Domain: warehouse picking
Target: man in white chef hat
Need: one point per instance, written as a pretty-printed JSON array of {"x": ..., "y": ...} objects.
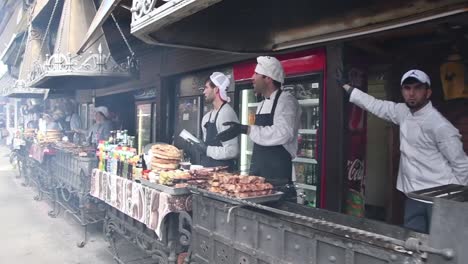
[
  {"x": 213, "y": 151},
  {"x": 276, "y": 125}
]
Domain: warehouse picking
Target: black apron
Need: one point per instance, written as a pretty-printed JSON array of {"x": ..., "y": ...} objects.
[
  {"x": 272, "y": 162},
  {"x": 211, "y": 132},
  {"x": 65, "y": 124}
]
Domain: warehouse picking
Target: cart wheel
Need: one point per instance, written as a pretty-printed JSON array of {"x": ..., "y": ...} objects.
[
  {"x": 81, "y": 244},
  {"x": 52, "y": 214}
]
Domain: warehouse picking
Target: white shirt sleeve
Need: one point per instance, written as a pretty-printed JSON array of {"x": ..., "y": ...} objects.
[
  {"x": 205, "y": 120},
  {"x": 230, "y": 148},
  {"x": 450, "y": 145},
  {"x": 284, "y": 123},
  {"x": 75, "y": 122},
  {"x": 387, "y": 110}
]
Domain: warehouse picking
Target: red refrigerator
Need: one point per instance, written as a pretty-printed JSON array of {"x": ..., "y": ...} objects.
[{"x": 304, "y": 79}]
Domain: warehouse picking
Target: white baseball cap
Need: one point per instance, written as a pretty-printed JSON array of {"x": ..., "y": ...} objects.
[
  {"x": 103, "y": 110},
  {"x": 222, "y": 82},
  {"x": 271, "y": 67},
  {"x": 417, "y": 74}
]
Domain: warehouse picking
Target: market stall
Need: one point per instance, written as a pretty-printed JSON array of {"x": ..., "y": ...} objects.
[
  {"x": 20, "y": 154},
  {"x": 41, "y": 170},
  {"x": 153, "y": 216},
  {"x": 72, "y": 166},
  {"x": 256, "y": 229}
]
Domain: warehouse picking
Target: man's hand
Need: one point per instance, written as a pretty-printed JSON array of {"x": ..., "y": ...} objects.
[
  {"x": 233, "y": 131},
  {"x": 342, "y": 80}
]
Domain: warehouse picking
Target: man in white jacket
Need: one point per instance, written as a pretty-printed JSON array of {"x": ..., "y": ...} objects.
[
  {"x": 213, "y": 151},
  {"x": 431, "y": 150},
  {"x": 275, "y": 131}
]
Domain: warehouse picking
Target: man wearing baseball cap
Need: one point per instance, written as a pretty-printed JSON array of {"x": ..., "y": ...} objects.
[
  {"x": 431, "y": 150},
  {"x": 213, "y": 151},
  {"x": 276, "y": 125}
]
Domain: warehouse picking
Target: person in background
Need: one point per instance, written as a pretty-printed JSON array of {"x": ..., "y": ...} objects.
[
  {"x": 49, "y": 123},
  {"x": 101, "y": 129},
  {"x": 213, "y": 151},
  {"x": 72, "y": 122},
  {"x": 431, "y": 150},
  {"x": 276, "y": 126}
]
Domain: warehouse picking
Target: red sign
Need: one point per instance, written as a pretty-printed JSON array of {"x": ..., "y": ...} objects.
[
  {"x": 293, "y": 63},
  {"x": 356, "y": 156}
]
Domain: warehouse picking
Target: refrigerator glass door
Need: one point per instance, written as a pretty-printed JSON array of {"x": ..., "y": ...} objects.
[
  {"x": 248, "y": 108},
  {"x": 189, "y": 111},
  {"x": 308, "y": 91},
  {"x": 143, "y": 128}
]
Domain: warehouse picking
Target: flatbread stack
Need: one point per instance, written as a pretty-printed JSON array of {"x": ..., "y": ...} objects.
[
  {"x": 165, "y": 157},
  {"x": 29, "y": 132},
  {"x": 53, "y": 135}
]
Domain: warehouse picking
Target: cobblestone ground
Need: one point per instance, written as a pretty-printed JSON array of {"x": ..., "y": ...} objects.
[{"x": 29, "y": 236}]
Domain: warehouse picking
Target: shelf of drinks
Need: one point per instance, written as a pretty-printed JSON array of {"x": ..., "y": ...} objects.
[
  {"x": 297, "y": 159},
  {"x": 306, "y": 186},
  {"x": 303, "y": 102},
  {"x": 305, "y": 160},
  {"x": 309, "y": 102},
  {"x": 308, "y": 131},
  {"x": 253, "y": 104}
]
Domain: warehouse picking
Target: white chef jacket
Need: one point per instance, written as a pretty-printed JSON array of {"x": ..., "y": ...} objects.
[
  {"x": 284, "y": 130},
  {"x": 431, "y": 150},
  {"x": 230, "y": 148},
  {"x": 75, "y": 122}
]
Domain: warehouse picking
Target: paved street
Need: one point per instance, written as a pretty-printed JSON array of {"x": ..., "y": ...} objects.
[{"x": 29, "y": 236}]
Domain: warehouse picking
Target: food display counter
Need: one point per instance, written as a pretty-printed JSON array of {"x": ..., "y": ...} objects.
[
  {"x": 40, "y": 170},
  {"x": 157, "y": 222},
  {"x": 72, "y": 166}
]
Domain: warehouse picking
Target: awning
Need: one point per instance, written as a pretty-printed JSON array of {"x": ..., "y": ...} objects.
[
  {"x": 66, "y": 69},
  {"x": 12, "y": 32},
  {"x": 104, "y": 11},
  {"x": 42, "y": 9},
  {"x": 245, "y": 26},
  {"x": 12, "y": 54},
  {"x": 11, "y": 87},
  {"x": 6, "y": 82},
  {"x": 19, "y": 90},
  {"x": 149, "y": 18}
]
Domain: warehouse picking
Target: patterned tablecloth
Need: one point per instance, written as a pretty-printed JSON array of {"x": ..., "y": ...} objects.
[
  {"x": 142, "y": 203},
  {"x": 37, "y": 152}
]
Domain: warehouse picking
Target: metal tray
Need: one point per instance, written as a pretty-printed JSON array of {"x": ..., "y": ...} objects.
[
  {"x": 164, "y": 188},
  {"x": 450, "y": 192},
  {"x": 233, "y": 200}
]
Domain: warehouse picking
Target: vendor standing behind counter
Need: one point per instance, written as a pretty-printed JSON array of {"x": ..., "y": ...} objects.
[
  {"x": 101, "y": 130},
  {"x": 276, "y": 125},
  {"x": 214, "y": 152}
]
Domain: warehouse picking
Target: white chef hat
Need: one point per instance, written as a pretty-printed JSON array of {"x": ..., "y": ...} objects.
[
  {"x": 271, "y": 67},
  {"x": 103, "y": 110},
  {"x": 222, "y": 82},
  {"x": 417, "y": 74}
]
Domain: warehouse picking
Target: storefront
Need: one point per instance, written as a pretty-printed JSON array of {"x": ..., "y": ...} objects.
[
  {"x": 371, "y": 49},
  {"x": 346, "y": 159}
]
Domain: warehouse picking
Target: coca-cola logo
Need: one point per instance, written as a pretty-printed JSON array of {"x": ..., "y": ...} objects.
[{"x": 355, "y": 170}]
